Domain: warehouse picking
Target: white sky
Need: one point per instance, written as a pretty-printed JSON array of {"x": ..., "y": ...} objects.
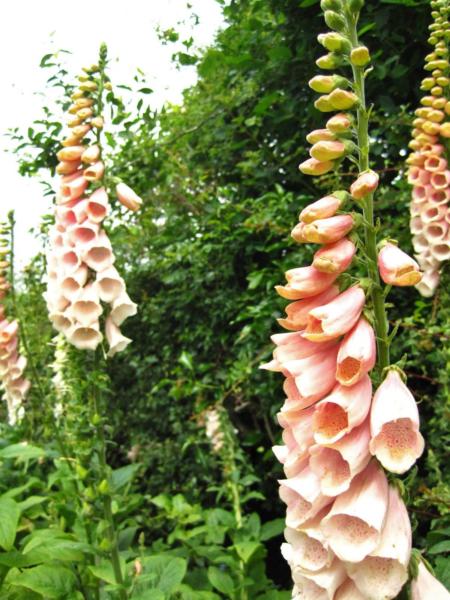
[{"x": 31, "y": 28}]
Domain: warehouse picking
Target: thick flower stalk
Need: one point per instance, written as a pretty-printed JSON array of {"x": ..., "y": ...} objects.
[
  {"x": 348, "y": 533},
  {"x": 81, "y": 278},
  {"x": 428, "y": 172},
  {"x": 12, "y": 363}
]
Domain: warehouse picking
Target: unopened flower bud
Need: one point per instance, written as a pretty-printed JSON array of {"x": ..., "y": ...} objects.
[
  {"x": 340, "y": 123},
  {"x": 324, "y": 104},
  {"x": 319, "y": 135},
  {"x": 332, "y": 41},
  {"x": 331, "y": 5},
  {"x": 97, "y": 122},
  {"x": 355, "y": 5},
  {"x": 311, "y": 166},
  {"x": 88, "y": 86},
  {"x": 329, "y": 61},
  {"x": 324, "y": 150},
  {"x": 324, "y": 84},
  {"x": 360, "y": 56},
  {"x": 334, "y": 20},
  {"x": 366, "y": 183},
  {"x": 342, "y": 99}
]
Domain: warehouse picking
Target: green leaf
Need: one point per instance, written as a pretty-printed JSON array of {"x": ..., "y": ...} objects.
[
  {"x": 440, "y": 547},
  {"x": 22, "y": 451},
  {"x": 123, "y": 476},
  {"x": 52, "y": 581},
  {"x": 271, "y": 529},
  {"x": 145, "y": 90},
  {"x": 149, "y": 594},
  {"x": 31, "y": 501},
  {"x": 221, "y": 581},
  {"x": 306, "y": 3},
  {"x": 168, "y": 571},
  {"x": 104, "y": 572},
  {"x": 9, "y": 519},
  {"x": 246, "y": 550}
]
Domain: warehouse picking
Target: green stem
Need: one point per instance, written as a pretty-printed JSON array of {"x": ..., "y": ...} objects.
[{"x": 370, "y": 234}]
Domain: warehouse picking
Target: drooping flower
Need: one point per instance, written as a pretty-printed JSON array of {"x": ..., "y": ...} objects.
[
  {"x": 425, "y": 586},
  {"x": 396, "y": 267}
]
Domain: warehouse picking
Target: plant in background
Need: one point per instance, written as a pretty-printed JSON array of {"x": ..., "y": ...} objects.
[
  {"x": 348, "y": 532},
  {"x": 428, "y": 172},
  {"x": 12, "y": 362}
]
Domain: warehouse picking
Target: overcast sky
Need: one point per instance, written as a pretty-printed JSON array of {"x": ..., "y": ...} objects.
[{"x": 29, "y": 29}]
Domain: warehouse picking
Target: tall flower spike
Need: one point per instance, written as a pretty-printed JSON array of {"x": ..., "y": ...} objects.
[
  {"x": 82, "y": 280},
  {"x": 428, "y": 171},
  {"x": 12, "y": 364},
  {"x": 348, "y": 536}
]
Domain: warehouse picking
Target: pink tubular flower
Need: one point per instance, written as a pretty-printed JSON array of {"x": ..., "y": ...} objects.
[
  {"x": 336, "y": 465},
  {"x": 354, "y": 524},
  {"x": 394, "y": 423},
  {"x": 321, "y": 209},
  {"x": 297, "y": 312},
  {"x": 340, "y": 412},
  {"x": 384, "y": 572},
  {"x": 366, "y": 184},
  {"x": 348, "y": 591},
  {"x": 396, "y": 267},
  {"x": 117, "y": 342},
  {"x": 303, "y": 498},
  {"x": 426, "y": 587},
  {"x": 320, "y": 585},
  {"x": 357, "y": 353},
  {"x": 306, "y": 547},
  {"x": 335, "y": 318},
  {"x": 335, "y": 258},
  {"x": 327, "y": 231},
  {"x": 127, "y": 197},
  {"x": 289, "y": 349},
  {"x": 327, "y": 150},
  {"x": 305, "y": 282}
]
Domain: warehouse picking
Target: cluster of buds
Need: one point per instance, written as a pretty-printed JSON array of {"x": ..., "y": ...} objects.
[
  {"x": 429, "y": 173},
  {"x": 81, "y": 272},
  {"x": 12, "y": 363},
  {"x": 348, "y": 534},
  {"x": 213, "y": 428}
]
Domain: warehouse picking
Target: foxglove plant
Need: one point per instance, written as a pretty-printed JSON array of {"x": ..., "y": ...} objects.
[
  {"x": 428, "y": 171},
  {"x": 83, "y": 281},
  {"x": 348, "y": 533},
  {"x": 81, "y": 277},
  {"x": 12, "y": 362}
]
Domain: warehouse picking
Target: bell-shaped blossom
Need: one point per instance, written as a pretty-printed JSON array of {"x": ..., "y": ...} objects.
[
  {"x": 337, "y": 464},
  {"x": 396, "y": 267},
  {"x": 336, "y": 318},
  {"x": 97, "y": 205},
  {"x": 426, "y": 586},
  {"x": 91, "y": 155},
  {"x": 384, "y": 572},
  {"x": 110, "y": 284},
  {"x": 297, "y": 312},
  {"x": 355, "y": 522},
  {"x": 127, "y": 197},
  {"x": 306, "y": 547},
  {"x": 99, "y": 255},
  {"x": 343, "y": 410},
  {"x": 94, "y": 172},
  {"x": 72, "y": 284},
  {"x": 394, "y": 423},
  {"x": 320, "y": 585},
  {"x": 357, "y": 353},
  {"x": 349, "y": 591},
  {"x": 303, "y": 497},
  {"x": 305, "y": 282},
  {"x": 117, "y": 342},
  {"x": 71, "y": 190},
  {"x": 85, "y": 337},
  {"x": 335, "y": 258},
  {"x": 86, "y": 309},
  {"x": 122, "y": 308}
]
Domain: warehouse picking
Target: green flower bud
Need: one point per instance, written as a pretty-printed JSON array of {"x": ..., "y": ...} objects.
[
  {"x": 355, "y": 5},
  {"x": 332, "y": 41},
  {"x": 103, "y": 487},
  {"x": 334, "y": 20},
  {"x": 331, "y": 5},
  {"x": 360, "y": 56},
  {"x": 329, "y": 61},
  {"x": 324, "y": 84}
]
